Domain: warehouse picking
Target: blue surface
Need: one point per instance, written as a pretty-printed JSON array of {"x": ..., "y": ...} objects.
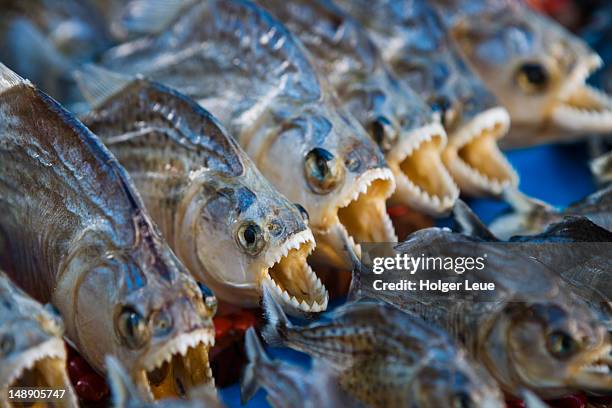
[{"x": 558, "y": 175}]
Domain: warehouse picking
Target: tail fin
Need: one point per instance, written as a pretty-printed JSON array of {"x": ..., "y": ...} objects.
[
  {"x": 469, "y": 223},
  {"x": 275, "y": 331},
  {"x": 256, "y": 355},
  {"x": 98, "y": 84},
  {"x": 9, "y": 79}
]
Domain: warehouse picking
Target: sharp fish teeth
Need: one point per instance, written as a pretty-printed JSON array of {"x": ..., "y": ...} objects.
[
  {"x": 598, "y": 368},
  {"x": 180, "y": 345}
]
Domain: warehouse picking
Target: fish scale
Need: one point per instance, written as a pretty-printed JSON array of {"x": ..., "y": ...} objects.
[
  {"x": 385, "y": 357},
  {"x": 515, "y": 330},
  {"x": 76, "y": 230}
]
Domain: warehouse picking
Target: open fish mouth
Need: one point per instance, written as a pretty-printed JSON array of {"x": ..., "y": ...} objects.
[
  {"x": 360, "y": 216},
  {"x": 581, "y": 107},
  {"x": 423, "y": 182},
  {"x": 179, "y": 366},
  {"x": 474, "y": 159},
  {"x": 596, "y": 376},
  {"x": 42, "y": 367},
  {"x": 364, "y": 214},
  {"x": 292, "y": 281}
]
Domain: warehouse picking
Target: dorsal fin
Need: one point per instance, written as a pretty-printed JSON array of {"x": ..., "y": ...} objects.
[
  {"x": 98, "y": 84},
  {"x": 470, "y": 224},
  {"x": 9, "y": 79}
]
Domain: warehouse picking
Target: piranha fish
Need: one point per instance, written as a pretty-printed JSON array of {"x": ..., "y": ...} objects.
[
  {"x": 287, "y": 385},
  {"x": 394, "y": 115},
  {"x": 531, "y": 216},
  {"x": 32, "y": 352},
  {"x": 417, "y": 47},
  {"x": 75, "y": 233},
  {"x": 530, "y": 332},
  {"x": 43, "y": 40},
  {"x": 385, "y": 357},
  {"x": 208, "y": 198},
  {"x": 585, "y": 266},
  {"x": 125, "y": 394},
  {"x": 535, "y": 67},
  {"x": 252, "y": 74}
]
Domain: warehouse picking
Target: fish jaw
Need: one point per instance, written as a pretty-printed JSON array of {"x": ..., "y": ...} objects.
[
  {"x": 176, "y": 367},
  {"x": 40, "y": 366},
  {"x": 474, "y": 159},
  {"x": 580, "y": 108},
  {"x": 423, "y": 183},
  {"x": 595, "y": 376},
  {"x": 292, "y": 281},
  {"x": 360, "y": 215}
]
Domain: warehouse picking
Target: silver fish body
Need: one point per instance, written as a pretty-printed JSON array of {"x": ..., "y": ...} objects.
[
  {"x": 386, "y": 358},
  {"x": 415, "y": 44},
  {"x": 208, "y": 198},
  {"x": 33, "y": 352},
  {"x": 529, "y": 332},
  {"x": 586, "y": 265},
  {"x": 287, "y": 385},
  {"x": 535, "y": 67},
  {"x": 394, "y": 115},
  {"x": 256, "y": 78},
  {"x": 75, "y": 233}
]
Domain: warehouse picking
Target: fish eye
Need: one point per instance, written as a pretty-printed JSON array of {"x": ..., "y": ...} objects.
[
  {"x": 323, "y": 171},
  {"x": 532, "y": 77},
  {"x": 462, "y": 400},
  {"x": 561, "y": 344},
  {"x": 210, "y": 301},
  {"x": 132, "y": 328},
  {"x": 7, "y": 343},
  {"x": 382, "y": 132},
  {"x": 303, "y": 212},
  {"x": 251, "y": 238}
]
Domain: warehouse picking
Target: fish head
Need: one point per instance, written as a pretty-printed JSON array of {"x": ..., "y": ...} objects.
[
  {"x": 148, "y": 311},
  {"x": 411, "y": 138},
  {"x": 422, "y": 55},
  {"x": 452, "y": 382},
  {"x": 265, "y": 235},
  {"x": 538, "y": 71},
  {"x": 554, "y": 348},
  {"x": 338, "y": 175},
  {"x": 475, "y": 123},
  {"x": 32, "y": 352}
]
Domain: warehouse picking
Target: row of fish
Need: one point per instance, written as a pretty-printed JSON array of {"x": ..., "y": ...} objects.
[{"x": 320, "y": 143}]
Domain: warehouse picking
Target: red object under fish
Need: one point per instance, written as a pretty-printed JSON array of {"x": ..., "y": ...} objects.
[{"x": 88, "y": 384}]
